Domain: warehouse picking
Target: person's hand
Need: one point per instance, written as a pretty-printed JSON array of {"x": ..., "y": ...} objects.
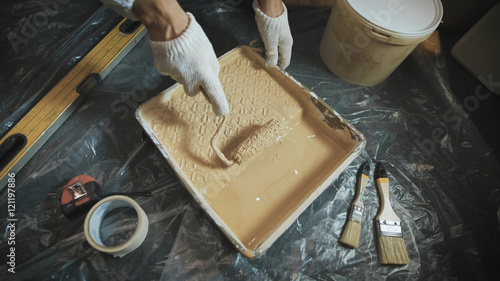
[
  {"x": 190, "y": 60},
  {"x": 272, "y": 21},
  {"x": 182, "y": 50}
]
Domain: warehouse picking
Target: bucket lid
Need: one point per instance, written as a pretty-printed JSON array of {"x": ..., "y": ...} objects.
[{"x": 408, "y": 17}]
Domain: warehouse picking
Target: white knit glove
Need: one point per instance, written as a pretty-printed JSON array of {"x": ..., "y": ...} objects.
[
  {"x": 191, "y": 61},
  {"x": 276, "y": 35}
]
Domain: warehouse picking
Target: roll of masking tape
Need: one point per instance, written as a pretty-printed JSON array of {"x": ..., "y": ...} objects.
[{"x": 96, "y": 215}]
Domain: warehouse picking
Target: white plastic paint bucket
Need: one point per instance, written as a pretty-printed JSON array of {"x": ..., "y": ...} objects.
[{"x": 366, "y": 40}]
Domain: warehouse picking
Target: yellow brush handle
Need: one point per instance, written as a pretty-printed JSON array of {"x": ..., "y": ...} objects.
[{"x": 386, "y": 212}]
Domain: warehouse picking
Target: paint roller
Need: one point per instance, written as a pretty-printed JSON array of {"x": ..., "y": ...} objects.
[{"x": 260, "y": 139}]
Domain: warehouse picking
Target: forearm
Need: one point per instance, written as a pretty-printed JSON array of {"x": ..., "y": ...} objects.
[
  {"x": 272, "y": 8},
  {"x": 164, "y": 19}
]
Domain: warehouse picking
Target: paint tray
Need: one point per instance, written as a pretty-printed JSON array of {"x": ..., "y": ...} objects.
[{"x": 252, "y": 203}]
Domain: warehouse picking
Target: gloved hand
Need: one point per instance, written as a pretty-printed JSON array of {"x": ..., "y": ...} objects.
[
  {"x": 276, "y": 35},
  {"x": 190, "y": 60}
]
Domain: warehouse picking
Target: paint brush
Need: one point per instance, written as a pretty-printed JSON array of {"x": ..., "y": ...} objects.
[
  {"x": 352, "y": 230},
  {"x": 391, "y": 244}
]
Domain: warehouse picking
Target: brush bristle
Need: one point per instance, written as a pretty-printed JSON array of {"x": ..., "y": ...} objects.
[
  {"x": 351, "y": 234},
  {"x": 392, "y": 250}
]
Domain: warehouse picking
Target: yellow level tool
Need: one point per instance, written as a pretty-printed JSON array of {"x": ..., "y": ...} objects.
[{"x": 35, "y": 128}]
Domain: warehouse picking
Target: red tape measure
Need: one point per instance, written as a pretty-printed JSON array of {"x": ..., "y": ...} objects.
[{"x": 79, "y": 195}]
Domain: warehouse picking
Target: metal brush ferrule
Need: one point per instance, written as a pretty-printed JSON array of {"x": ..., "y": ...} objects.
[
  {"x": 356, "y": 214},
  {"x": 390, "y": 228}
]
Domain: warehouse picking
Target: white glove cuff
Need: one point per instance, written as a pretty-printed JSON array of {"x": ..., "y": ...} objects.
[
  {"x": 185, "y": 43},
  {"x": 268, "y": 21}
]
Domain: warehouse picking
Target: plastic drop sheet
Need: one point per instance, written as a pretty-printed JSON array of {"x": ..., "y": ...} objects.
[{"x": 443, "y": 178}]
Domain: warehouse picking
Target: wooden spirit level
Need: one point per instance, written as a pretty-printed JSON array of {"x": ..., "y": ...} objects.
[{"x": 35, "y": 128}]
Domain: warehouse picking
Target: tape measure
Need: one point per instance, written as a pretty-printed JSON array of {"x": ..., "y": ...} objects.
[
  {"x": 82, "y": 192},
  {"x": 79, "y": 195}
]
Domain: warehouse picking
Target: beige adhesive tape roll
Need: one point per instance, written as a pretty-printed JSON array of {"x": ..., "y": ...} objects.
[{"x": 96, "y": 215}]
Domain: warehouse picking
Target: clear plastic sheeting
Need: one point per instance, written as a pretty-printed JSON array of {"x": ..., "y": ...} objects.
[{"x": 443, "y": 177}]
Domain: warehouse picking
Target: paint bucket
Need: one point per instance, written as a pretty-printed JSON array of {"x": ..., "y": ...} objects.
[{"x": 365, "y": 41}]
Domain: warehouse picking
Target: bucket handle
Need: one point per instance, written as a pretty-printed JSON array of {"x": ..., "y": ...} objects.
[{"x": 380, "y": 35}]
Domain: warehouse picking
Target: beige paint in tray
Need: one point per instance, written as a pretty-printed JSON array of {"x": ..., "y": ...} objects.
[{"x": 255, "y": 202}]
